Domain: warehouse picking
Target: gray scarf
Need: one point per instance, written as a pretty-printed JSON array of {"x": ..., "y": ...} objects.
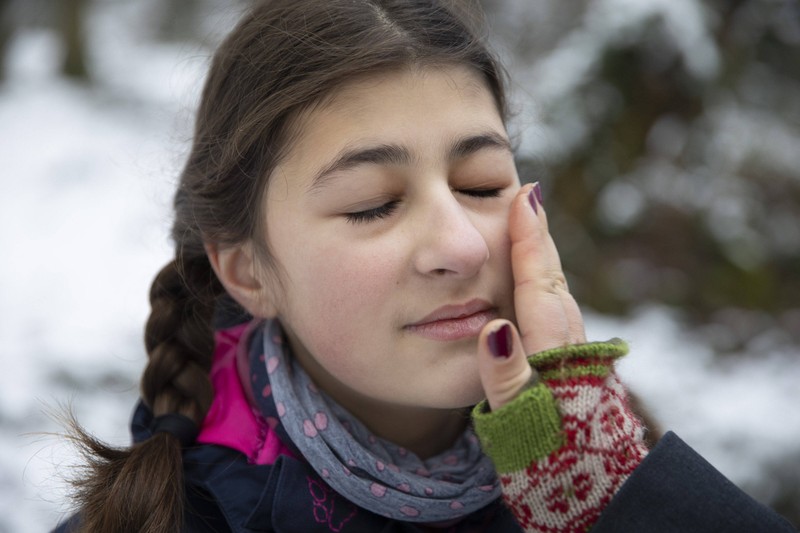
[{"x": 369, "y": 471}]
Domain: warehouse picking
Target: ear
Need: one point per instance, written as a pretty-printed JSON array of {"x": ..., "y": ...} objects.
[{"x": 236, "y": 268}]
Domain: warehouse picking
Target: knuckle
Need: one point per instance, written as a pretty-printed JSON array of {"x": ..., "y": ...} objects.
[
  {"x": 556, "y": 282},
  {"x": 551, "y": 282}
]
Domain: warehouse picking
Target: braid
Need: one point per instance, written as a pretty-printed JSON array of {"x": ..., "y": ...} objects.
[
  {"x": 129, "y": 490},
  {"x": 179, "y": 339},
  {"x": 141, "y": 489}
]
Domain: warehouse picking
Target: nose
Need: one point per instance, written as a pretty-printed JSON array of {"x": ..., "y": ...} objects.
[{"x": 449, "y": 243}]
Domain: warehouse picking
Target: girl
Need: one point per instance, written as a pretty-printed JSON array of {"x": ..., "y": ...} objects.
[{"x": 357, "y": 266}]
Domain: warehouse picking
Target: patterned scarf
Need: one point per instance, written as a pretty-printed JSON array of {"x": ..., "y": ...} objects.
[{"x": 369, "y": 471}]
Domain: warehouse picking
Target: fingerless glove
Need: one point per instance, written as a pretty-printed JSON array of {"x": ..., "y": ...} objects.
[{"x": 564, "y": 446}]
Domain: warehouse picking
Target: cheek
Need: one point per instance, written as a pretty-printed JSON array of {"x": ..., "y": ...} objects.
[
  {"x": 336, "y": 291},
  {"x": 339, "y": 306},
  {"x": 500, "y": 263},
  {"x": 498, "y": 240}
]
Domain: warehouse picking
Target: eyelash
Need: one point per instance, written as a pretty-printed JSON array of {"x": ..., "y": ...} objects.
[
  {"x": 383, "y": 211},
  {"x": 482, "y": 193},
  {"x": 368, "y": 215}
]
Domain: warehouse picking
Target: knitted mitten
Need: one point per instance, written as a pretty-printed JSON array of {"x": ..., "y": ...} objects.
[{"x": 566, "y": 444}]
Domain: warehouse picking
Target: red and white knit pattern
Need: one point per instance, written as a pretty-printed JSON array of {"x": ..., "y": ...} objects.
[{"x": 567, "y": 491}]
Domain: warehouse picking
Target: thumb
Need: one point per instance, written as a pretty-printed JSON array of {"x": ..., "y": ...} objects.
[{"x": 502, "y": 363}]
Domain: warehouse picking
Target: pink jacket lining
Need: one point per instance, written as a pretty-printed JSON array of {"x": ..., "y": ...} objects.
[{"x": 234, "y": 420}]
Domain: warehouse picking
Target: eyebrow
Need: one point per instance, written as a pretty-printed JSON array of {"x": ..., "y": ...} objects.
[
  {"x": 394, "y": 154},
  {"x": 470, "y": 145}
]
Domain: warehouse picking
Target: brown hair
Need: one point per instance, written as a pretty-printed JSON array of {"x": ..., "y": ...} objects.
[{"x": 283, "y": 57}]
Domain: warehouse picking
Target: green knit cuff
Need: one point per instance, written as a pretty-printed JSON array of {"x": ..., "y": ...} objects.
[
  {"x": 578, "y": 360},
  {"x": 529, "y": 427},
  {"x": 526, "y": 429}
]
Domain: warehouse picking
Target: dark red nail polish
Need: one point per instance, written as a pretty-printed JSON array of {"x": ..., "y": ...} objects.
[
  {"x": 500, "y": 341},
  {"x": 532, "y": 200},
  {"x": 537, "y": 189}
]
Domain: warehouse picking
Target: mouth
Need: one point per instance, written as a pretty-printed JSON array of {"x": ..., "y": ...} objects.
[{"x": 455, "y": 322}]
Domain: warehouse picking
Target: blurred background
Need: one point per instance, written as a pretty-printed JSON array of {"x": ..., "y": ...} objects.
[{"x": 666, "y": 135}]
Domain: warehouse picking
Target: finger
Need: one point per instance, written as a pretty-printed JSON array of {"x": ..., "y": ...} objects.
[
  {"x": 502, "y": 363},
  {"x": 547, "y": 314}
]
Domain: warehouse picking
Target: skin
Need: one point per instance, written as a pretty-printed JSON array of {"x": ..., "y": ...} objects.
[{"x": 370, "y": 248}]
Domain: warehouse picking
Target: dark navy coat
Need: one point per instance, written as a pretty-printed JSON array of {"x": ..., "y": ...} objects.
[{"x": 673, "y": 490}]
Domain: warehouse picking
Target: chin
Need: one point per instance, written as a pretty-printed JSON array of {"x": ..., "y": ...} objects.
[
  {"x": 477, "y": 397},
  {"x": 462, "y": 395}
]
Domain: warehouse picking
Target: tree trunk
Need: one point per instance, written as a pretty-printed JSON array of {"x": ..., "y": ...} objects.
[
  {"x": 73, "y": 39},
  {"x": 178, "y": 19},
  {"x": 5, "y": 35}
]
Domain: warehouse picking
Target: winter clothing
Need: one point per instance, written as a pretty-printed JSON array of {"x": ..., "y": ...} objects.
[
  {"x": 586, "y": 442},
  {"x": 576, "y": 463},
  {"x": 367, "y": 470}
]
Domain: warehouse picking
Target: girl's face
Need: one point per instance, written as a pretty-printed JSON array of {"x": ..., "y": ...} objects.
[{"x": 388, "y": 219}]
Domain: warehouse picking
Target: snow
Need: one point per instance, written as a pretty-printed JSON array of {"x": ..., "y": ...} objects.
[
  {"x": 87, "y": 181},
  {"x": 84, "y": 218}
]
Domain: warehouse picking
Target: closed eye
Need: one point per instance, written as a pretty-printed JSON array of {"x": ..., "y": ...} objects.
[
  {"x": 481, "y": 193},
  {"x": 376, "y": 213}
]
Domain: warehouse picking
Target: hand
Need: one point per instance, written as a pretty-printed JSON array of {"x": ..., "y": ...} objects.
[
  {"x": 547, "y": 314},
  {"x": 568, "y": 441}
]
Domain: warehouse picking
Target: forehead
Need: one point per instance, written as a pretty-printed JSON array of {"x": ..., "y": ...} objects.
[
  {"x": 366, "y": 92},
  {"x": 417, "y": 107}
]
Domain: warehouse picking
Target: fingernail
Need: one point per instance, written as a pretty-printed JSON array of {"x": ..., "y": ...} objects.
[
  {"x": 499, "y": 341},
  {"x": 532, "y": 199},
  {"x": 537, "y": 189}
]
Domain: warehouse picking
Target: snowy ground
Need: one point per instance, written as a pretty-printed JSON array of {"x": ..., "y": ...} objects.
[{"x": 87, "y": 175}]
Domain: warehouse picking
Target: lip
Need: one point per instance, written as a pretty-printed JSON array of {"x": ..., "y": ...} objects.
[{"x": 455, "y": 322}]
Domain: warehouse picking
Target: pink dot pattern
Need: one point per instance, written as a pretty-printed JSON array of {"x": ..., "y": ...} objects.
[{"x": 375, "y": 474}]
